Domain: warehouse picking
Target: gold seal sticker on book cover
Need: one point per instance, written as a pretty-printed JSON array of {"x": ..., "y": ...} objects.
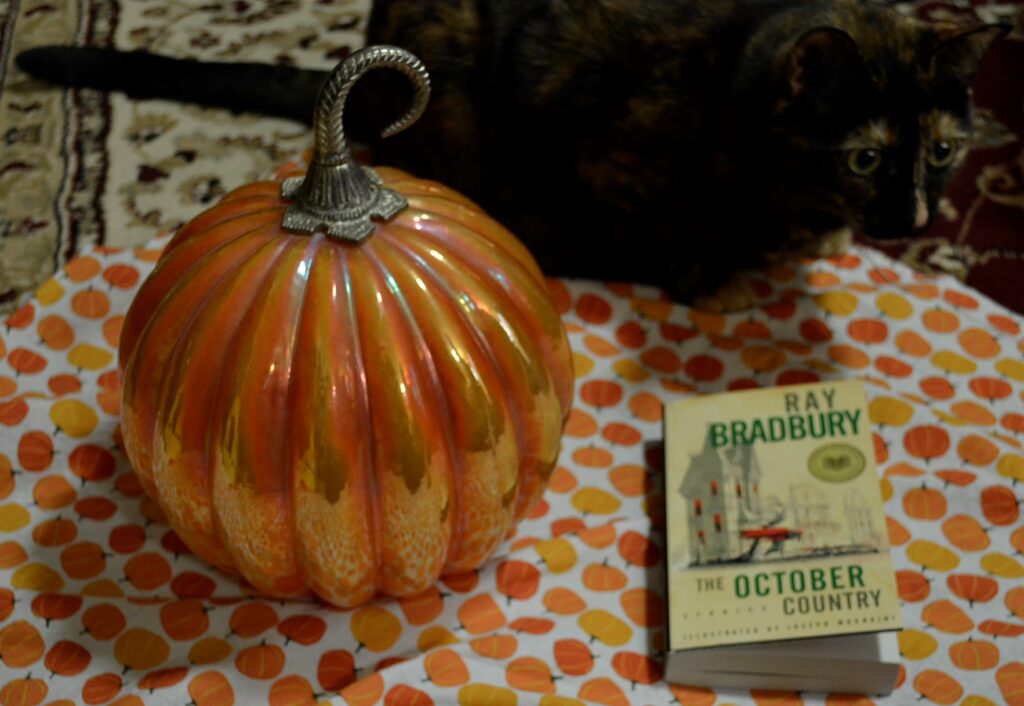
[{"x": 775, "y": 522}]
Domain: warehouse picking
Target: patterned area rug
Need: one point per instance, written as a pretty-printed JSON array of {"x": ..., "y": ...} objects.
[{"x": 82, "y": 168}]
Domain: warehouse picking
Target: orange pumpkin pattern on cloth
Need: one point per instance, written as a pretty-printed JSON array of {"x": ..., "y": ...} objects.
[{"x": 102, "y": 603}]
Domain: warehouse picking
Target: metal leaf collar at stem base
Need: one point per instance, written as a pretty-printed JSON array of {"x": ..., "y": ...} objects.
[{"x": 338, "y": 195}]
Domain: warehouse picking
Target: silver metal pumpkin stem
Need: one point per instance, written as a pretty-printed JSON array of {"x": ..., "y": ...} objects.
[{"x": 337, "y": 194}]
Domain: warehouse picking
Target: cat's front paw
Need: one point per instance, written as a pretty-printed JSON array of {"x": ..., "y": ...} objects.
[
  {"x": 804, "y": 243},
  {"x": 835, "y": 242},
  {"x": 735, "y": 295}
]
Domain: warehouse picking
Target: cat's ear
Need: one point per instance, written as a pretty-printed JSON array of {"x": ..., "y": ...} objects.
[
  {"x": 822, "y": 57},
  {"x": 961, "y": 51}
]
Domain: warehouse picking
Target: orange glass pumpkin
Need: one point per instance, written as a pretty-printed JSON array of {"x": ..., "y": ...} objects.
[{"x": 351, "y": 412}]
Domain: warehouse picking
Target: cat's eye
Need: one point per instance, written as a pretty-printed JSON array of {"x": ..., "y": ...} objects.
[
  {"x": 864, "y": 161},
  {"x": 942, "y": 153}
]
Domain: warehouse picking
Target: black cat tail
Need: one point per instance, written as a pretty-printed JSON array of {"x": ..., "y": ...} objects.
[{"x": 266, "y": 89}]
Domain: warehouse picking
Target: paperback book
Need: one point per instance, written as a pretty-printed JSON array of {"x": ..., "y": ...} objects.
[{"x": 779, "y": 573}]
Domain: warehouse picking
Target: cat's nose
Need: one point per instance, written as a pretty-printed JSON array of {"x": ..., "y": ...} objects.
[{"x": 921, "y": 214}]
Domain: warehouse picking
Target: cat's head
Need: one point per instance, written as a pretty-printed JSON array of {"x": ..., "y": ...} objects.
[{"x": 881, "y": 116}]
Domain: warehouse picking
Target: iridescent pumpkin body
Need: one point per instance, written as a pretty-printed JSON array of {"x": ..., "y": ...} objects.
[{"x": 344, "y": 418}]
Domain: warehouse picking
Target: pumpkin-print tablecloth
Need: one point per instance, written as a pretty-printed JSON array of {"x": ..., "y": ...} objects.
[{"x": 100, "y": 602}]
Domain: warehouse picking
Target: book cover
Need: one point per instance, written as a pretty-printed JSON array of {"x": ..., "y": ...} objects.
[{"x": 775, "y": 528}]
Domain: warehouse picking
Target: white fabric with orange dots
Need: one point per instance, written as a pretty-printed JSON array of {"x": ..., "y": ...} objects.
[{"x": 101, "y": 603}]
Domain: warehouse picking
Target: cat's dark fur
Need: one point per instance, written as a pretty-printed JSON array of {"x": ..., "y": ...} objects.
[{"x": 675, "y": 141}]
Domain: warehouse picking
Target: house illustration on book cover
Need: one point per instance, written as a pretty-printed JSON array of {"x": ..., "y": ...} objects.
[{"x": 731, "y": 519}]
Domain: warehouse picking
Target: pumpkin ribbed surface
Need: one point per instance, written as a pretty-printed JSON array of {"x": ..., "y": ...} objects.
[{"x": 344, "y": 418}]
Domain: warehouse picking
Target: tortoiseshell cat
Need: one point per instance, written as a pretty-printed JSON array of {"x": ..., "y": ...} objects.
[{"x": 668, "y": 141}]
